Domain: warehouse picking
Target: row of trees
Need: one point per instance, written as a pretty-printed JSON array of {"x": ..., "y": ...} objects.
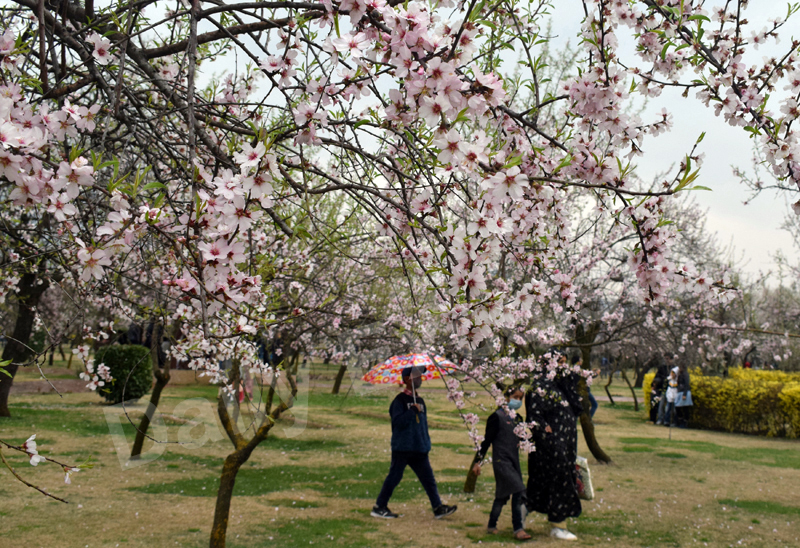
[{"x": 368, "y": 176}]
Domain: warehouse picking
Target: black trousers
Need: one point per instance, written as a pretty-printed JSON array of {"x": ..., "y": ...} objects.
[
  {"x": 517, "y": 500},
  {"x": 421, "y": 466}
]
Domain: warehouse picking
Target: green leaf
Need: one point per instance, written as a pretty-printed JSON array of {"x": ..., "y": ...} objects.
[
  {"x": 74, "y": 154},
  {"x": 462, "y": 116},
  {"x": 486, "y": 23},
  {"x": 140, "y": 175},
  {"x": 302, "y": 233},
  {"x": 699, "y": 187},
  {"x": 664, "y": 51},
  {"x": 566, "y": 161},
  {"x": 154, "y": 185},
  {"x": 513, "y": 161},
  {"x": 159, "y": 201},
  {"x": 473, "y": 16}
]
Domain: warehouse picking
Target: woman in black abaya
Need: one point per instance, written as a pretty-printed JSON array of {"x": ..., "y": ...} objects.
[{"x": 552, "y": 487}]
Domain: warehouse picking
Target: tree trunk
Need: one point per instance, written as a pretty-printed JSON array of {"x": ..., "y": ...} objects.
[
  {"x": 585, "y": 336},
  {"x": 637, "y": 366},
  {"x": 31, "y": 288},
  {"x": 339, "y": 376},
  {"x": 222, "y": 510},
  {"x": 162, "y": 378},
  {"x": 243, "y": 448},
  {"x": 633, "y": 392},
  {"x": 610, "y": 378},
  {"x": 161, "y": 381},
  {"x": 640, "y": 373},
  {"x": 472, "y": 477},
  {"x": 591, "y": 439}
]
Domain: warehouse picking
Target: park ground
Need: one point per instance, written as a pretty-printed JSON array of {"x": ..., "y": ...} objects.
[{"x": 314, "y": 481}]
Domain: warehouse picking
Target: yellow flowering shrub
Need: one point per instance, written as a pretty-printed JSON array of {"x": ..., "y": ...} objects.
[
  {"x": 766, "y": 403},
  {"x": 790, "y": 399},
  {"x": 648, "y": 380},
  {"x": 760, "y": 375}
]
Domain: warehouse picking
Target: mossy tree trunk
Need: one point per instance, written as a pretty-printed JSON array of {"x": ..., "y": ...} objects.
[
  {"x": 162, "y": 379},
  {"x": 337, "y": 384},
  {"x": 640, "y": 372},
  {"x": 611, "y": 372},
  {"x": 585, "y": 336},
  {"x": 31, "y": 287},
  {"x": 222, "y": 510},
  {"x": 243, "y": 448},
  {"x": 633, "y": 392}
]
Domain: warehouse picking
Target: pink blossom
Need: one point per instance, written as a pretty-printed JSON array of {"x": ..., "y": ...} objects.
[
  {"x": 30, "y": 448},
  {"x": 433, "y": 109},
  {"x": 452, "y": 147},
  {"x": 93, "y": 263},
  {"x": 352, "y": 44},
  {"x": 102, "y": 48},
  {"x": 250, "y": 156}
]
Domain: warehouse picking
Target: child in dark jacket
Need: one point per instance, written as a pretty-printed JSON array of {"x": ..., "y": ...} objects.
[
  {"x": 501, "y": 437},
  {"x": 410, "y": 447}
]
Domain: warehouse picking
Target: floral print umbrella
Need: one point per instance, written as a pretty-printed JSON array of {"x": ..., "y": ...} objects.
[{"x": 391, "y": 371}]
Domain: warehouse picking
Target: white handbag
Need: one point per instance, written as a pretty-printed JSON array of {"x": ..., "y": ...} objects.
[{"x": 585, "y": 489}]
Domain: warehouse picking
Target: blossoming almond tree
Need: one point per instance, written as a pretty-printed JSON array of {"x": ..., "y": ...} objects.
[{"x": 411, "y": 110}]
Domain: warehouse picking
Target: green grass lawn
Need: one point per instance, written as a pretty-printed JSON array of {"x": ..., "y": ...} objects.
[{"x": 315, "y": 484}]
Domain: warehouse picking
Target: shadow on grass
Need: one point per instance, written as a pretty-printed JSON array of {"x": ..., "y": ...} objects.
[
  {"x": 305, "y": 532},
  {"x": 637, "y": 449},
  {"x": 345, "y": 401},
  {"x": 284, "y": 444},
  {"x": 590, "y": 528},
  {"x": 779, "y": 458},
  {"x": 762, "y": 507},
  {"x": 89, "y": 422},
  {"x": 358, "y": 481}
]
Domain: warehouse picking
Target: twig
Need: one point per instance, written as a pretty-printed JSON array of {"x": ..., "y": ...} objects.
[{"x": 32, "y": 486}]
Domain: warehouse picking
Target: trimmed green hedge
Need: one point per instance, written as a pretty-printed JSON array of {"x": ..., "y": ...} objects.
[
  {"x": 131, "y": 370},
  {"x": 765, "y": 403}
]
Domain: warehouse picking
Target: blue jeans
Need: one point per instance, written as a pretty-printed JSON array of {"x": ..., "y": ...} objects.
[
  {"x": 421, "y": 466},
  {"x": 669, "y": 412},
  {"x": 516, "y": 511},
  {"x": 662, "y": 404},
  {"x": 593, "y": 403}
]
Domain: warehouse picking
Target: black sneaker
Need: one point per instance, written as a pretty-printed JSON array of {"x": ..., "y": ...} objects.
[
  {"x": 444, "y": 510},
  {"x": 384, "y": 513}
]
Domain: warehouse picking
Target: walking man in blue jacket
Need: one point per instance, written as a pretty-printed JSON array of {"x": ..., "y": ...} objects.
[{"x": 410, "y": 447}]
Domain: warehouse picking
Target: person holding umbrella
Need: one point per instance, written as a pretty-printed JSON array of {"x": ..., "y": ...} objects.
[{"x": 410, "y": 447}]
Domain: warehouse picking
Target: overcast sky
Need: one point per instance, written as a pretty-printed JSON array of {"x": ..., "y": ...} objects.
[{"x": 755, "y": 228}]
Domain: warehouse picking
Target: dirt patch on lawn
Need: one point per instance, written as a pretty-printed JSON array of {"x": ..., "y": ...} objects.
[{"x": 63, "y": 386}]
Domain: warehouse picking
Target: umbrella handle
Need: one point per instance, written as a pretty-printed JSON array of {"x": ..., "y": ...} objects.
[{"x": 414, "y": 394}]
